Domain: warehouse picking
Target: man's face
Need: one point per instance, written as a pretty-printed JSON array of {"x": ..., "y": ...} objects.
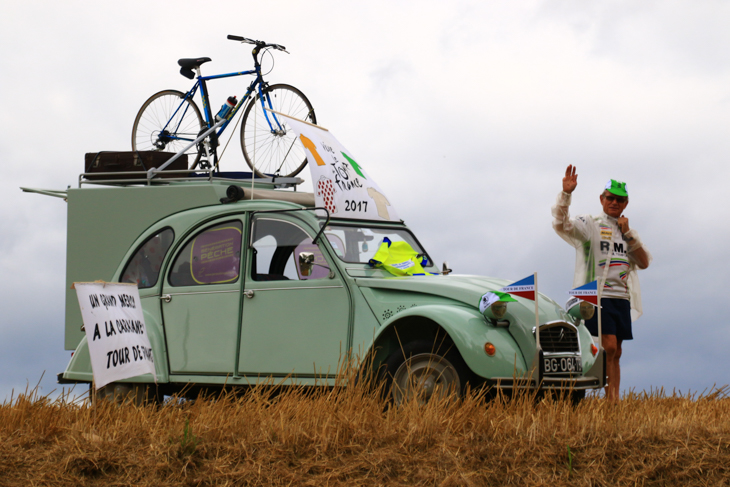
[{"x": 613, "y": 205}]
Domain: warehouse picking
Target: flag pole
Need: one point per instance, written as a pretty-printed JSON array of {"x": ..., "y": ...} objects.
[{"x": 537, "y": 315}]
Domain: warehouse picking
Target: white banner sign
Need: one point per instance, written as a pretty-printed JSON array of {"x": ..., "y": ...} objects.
[
  {"x": 115, "y": 330},
  {"x": 340, "y": 183}
]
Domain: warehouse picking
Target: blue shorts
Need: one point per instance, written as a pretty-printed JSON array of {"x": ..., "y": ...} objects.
[{"x": 615, "y": 319}]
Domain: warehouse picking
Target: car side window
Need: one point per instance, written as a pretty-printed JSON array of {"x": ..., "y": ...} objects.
[
  {"x": 213, "y": 256},
  {"x": 276, "y": 248},
  {"x": 143, "y": 268}
]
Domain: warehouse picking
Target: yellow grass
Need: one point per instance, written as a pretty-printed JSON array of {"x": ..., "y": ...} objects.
[{"x": 348, "y": 436}]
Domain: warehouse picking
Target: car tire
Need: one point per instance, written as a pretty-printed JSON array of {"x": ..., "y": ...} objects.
[
  {"x": 124, "y": 393},
  {"x": 424, "y": 370}
]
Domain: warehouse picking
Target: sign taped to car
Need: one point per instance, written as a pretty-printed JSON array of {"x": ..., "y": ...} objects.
[{"x": 115, "y": 330}]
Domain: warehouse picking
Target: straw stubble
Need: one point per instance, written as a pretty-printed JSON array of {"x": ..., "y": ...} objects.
[{"x": 350, "y": 436}]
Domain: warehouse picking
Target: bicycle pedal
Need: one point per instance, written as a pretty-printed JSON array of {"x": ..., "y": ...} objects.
[{"x": 204, "y": 165}]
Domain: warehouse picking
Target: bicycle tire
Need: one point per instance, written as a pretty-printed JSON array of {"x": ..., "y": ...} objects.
[
  {"x": 155, "y": 114},
  {"x": 282, "y": 152}
]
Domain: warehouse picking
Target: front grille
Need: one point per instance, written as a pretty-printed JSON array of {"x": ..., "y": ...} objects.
[{"x": 558, "y": 338}]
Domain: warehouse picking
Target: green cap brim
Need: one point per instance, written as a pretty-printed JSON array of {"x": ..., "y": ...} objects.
[{"x": 505, "y": 297}]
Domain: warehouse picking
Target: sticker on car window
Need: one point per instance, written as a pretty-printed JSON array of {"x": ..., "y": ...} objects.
[{"x": 216, "y": 256}]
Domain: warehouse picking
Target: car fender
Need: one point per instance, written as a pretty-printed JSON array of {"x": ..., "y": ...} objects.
[
  {"x": 79, "y": 368},
  {"x": 467, "y": 328}
]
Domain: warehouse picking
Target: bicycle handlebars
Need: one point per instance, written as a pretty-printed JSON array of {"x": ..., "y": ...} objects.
[{"x": 260, "y": 44}]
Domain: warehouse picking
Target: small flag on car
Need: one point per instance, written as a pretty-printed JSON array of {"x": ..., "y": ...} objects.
[
  {"x": 587, "y": 292},
  {"x": 524, "y": 288}
]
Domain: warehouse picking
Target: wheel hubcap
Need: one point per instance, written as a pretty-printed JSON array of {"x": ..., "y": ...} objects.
[{"x": 424, "y": 376}]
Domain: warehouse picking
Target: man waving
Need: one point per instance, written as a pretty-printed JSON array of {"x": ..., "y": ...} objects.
[{"x": 609, "y": 250}]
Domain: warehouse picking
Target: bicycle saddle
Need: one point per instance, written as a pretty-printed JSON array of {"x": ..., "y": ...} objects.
[
  {"x": 192, "y": 63},
  {"x": 187, "y": 65}
]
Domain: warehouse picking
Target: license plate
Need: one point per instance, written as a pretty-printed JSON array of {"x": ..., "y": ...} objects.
[{"x": 562, "y": 365}]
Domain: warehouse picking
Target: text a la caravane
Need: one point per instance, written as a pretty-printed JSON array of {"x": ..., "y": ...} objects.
[{"x": 122, "y": 355}]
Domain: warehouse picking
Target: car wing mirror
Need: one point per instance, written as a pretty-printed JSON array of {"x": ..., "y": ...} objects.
[{"x": 306, "y": 262}]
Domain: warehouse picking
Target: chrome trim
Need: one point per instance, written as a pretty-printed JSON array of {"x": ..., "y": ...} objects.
[
  {"x": 550, "y": 382},
  {"x": 203, "y": 292},
  {"x": 561, "y": 322},
  {"x": 296, "y": 288}
]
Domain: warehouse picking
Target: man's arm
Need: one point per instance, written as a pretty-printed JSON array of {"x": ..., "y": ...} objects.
[
  {"x": 636, "y": 250},
  {"x": 572, "y": 231}
]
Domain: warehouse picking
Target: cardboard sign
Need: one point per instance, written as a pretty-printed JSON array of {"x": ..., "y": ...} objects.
[
  {"x": 115, "y": 331},
  {"x": 341, "y": 183}
]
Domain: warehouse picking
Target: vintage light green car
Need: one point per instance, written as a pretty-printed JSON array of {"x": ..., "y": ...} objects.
[{"x": 236, "y": 291}]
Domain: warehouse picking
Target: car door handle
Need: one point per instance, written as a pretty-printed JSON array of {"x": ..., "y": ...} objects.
[
  {"x": 249, "y": 294},
  {"x": 166, "y": 298}
]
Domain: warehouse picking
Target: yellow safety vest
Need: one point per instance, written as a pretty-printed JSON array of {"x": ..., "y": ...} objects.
[{"x": 399, "y": 259}]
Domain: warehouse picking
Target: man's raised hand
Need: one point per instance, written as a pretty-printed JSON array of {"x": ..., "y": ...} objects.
[
  {"x": 623, "y": 224},
  {"x": 570, "y": 181}
]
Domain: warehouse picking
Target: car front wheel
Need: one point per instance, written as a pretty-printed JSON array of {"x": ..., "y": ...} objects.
[{"x": 424, "y": 371}]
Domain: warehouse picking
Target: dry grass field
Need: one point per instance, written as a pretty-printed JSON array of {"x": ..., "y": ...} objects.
[{"x": 348, "y": 436}]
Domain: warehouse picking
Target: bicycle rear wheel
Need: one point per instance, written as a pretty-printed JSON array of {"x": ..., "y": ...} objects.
[
  {"x": 278, "y": 151},
  {"x": 167, "y": 122}
]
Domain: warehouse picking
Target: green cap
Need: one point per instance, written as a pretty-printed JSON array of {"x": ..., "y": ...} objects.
[{"x": 617, "y": 187}]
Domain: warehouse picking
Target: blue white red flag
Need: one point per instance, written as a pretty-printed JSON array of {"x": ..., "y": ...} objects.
[
  {"x": 586, "y": 292},
  {"x": 524, "y": 288}
]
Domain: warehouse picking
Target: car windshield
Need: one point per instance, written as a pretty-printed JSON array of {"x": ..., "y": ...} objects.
[{"x": 358, "y": 244}]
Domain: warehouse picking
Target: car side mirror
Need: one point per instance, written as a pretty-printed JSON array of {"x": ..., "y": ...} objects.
[{"x": 306, "y": 262}]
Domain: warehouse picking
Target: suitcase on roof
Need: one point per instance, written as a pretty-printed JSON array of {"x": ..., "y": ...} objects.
[{"x": 111, "y": 163}]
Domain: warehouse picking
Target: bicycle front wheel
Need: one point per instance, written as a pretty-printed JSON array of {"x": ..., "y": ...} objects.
[
  {"x": 269, "y": 144},
  {"x": 168, "y": 122}
]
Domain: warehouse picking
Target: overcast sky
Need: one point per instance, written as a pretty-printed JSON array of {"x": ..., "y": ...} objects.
[{"x": 466, "y": 114}]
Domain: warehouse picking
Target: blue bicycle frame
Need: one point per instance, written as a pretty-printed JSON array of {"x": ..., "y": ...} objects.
[{"x": 209, "y": 120}]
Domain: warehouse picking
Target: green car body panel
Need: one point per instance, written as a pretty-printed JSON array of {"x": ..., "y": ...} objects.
[{"x": 250, "y": 330}]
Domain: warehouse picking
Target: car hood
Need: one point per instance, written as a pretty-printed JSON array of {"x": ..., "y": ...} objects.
[{"x": 468, "y": 290}]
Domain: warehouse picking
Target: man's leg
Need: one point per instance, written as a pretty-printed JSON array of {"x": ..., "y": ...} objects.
[
  {"x": 610, "y": 345},
  {"x": 617, "y": 371}
]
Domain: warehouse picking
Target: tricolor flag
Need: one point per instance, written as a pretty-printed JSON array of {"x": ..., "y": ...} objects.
[
  {"x": 587, "y": 292},
  {"x": 524, "y": 288}
]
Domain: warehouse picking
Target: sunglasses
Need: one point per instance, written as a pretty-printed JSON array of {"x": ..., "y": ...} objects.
[{"x": 618, "y": 199}]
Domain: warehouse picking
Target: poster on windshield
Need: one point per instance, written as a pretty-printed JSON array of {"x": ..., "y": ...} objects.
[
  {"x": 115, "y": 330},
  {"x": 340, "y": 182}
]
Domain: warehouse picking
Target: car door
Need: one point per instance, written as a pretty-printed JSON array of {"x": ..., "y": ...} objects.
[
  {"x": 201, "y": 300},
  {"x": 291, "y": 323}
]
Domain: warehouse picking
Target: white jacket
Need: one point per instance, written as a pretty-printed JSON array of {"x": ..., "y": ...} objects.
[{"x": 594, "y": 239}]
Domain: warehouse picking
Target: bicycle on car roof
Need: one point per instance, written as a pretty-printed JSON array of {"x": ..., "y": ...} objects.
[{"x": 171, "y": 120}]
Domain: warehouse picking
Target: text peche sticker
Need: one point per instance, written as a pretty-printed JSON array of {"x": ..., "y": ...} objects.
[
  {"x": 115, "y": 331},
  {"x": 216, "y": 255}
]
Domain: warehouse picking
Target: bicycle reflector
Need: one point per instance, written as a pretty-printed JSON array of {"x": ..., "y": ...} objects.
[{"x": 490, "y": 349}]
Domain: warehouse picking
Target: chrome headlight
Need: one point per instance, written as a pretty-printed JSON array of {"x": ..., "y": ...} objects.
[
  {"x": 579, "y": 309},
  {"x": 496, "y": 311}
]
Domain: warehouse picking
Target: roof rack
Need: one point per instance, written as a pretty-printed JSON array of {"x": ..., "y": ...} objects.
[{"x": 127, "y": 178}]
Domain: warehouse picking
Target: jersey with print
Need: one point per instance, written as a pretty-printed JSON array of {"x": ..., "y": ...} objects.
[{"x": 611, "y": 250}]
